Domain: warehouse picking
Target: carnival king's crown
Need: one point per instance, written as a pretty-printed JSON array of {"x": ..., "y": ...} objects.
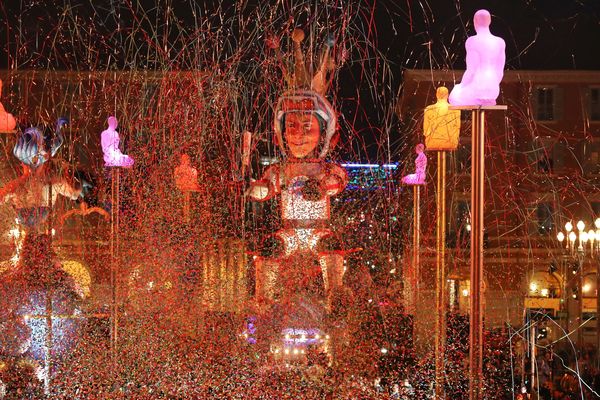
[
  {"x": 306, "y": 93},
  {"x": 301, "y": 79}
]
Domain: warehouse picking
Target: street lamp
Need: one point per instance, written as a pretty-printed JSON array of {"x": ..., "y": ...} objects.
[
  {"x": 578, "y": 241},
  {"x": 579, "y": 244}
]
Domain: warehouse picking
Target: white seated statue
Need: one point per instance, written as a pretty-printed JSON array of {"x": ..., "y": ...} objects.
[{"x": 480, "y": 83}]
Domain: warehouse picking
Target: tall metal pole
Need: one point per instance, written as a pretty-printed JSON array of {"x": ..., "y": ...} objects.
[
  {"x": 533, "y": 354},
  {"x": 477, "y": 206},
  {"x": 114, "y": 252},
  {"x": 416, "y": 245},
  {"x": 565, "y": 294},
  {"x": 440, "y": 296},
  {"x": 580, "y": 259},
  {"x": 49, "y": 292},
  {"x": 598, "y": 309}
]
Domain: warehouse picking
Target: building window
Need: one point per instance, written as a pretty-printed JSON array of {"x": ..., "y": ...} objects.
[
  {"x": 595, "y": 104},
  {"x": 591, "y": 158},
  {"x": 544, "y": 284},
  {"x": 548, "y": 155},
  {"x": 596, "y": 208},
  {"x": 545, "y": 163},
  {"x": 545, "y": 222},
  {"x": 547, "y": 103}
]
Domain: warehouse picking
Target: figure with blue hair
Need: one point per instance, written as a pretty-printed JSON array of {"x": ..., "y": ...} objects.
[{"x": 43, "y": 178}]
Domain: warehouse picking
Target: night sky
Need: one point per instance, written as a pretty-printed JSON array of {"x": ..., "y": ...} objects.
[
  {"x": 540, "y": 34},
  {"x": 382, "y": 37}
]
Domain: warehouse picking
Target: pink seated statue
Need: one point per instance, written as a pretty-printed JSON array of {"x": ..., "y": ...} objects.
[
  {"x": 418, "y": 178},
  {"x": 480, "y": 83},
  {"x": 7, "y": 121},
  {"x": 110, "y": 146},
  {"x": 186, "y": 176}
]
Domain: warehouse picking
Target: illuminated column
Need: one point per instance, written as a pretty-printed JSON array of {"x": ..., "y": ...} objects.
[
  {"x": 240, "y": 276},
  {"x": 414, "y": 273},
  {"x": 477, "y": 208},
  {"x": 205, "y": 276},
  {"x": 115, "y": 176},
  {"x": 213, "y": 275},
  {"x": 476, "y": 275},
  {"x": 580, "y": 259},
  {"x": 440, "y": 281},
  {"x": 222, "y": 276},
  {"x": 598, "y": 310},
  {"x": 417, "y": 180},
  {"x": 416, "y": 245},
  {"x": 231, "y": 276},
  {"x": 267, "y": 271}
]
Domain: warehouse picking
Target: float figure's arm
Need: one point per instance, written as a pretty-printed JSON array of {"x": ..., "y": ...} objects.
[
  {"x": 335, "y": 179},
  {"x": 67, "y": 186},
  {"x": 266, "y": 187},
  {"x": 67, "y": 190}
]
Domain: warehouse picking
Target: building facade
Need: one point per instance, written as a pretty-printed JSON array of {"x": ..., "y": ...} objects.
[{"x": 542, "y": 170}]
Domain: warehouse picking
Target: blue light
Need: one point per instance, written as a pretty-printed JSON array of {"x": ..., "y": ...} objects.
[
  {"x": 369, "y": 166},
  {"x": 353, "y": 165},
  {"x": 64, "y": 328}
]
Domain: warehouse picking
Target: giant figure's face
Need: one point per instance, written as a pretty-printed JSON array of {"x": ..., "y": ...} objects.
[{"x": 302, "y": 133}]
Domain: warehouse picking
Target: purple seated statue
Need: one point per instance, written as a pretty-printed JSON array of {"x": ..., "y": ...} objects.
[
  {"x": 480, "y": 83},
  {"x": 418, "y": 178},
  {"x": 109, "y": 139}
]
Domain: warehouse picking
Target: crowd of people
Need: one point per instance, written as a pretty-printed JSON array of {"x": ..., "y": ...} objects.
[
  {"x": 153, "y": 363},
  {"x": 157, "y": 357},
  {"x": 564, "y": 377}
]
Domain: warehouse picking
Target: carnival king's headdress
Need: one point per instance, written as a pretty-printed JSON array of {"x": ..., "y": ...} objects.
[{"x": 307, "y": 95}]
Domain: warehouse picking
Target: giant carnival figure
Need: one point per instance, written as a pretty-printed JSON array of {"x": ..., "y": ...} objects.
[
  {"x": 35, "y": 286},
  {"x": 305, "y": 126}
]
